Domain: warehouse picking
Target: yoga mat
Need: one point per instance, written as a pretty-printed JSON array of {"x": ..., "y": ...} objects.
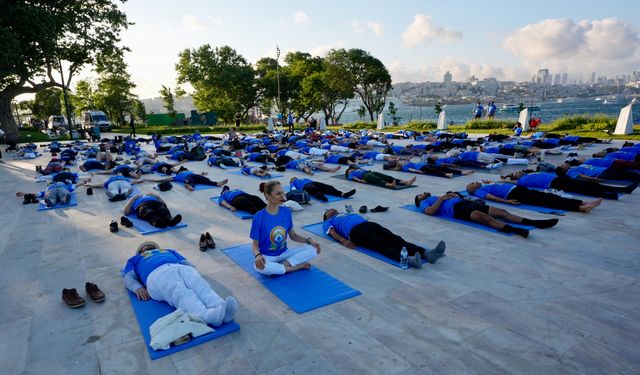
[
  {"x": 73, "y": 202},
  {"x": 241, "y": 214},
  {"x": 144, "y": 227},
  {"x": 197, "y": 187},
  {"x": 412, "y": 207},
  {"x": 317, "y": 229},
  {"x": 542, "y": 210},
  {"x": 330, "y": 198},
  {"x": 273, "y": 175},
  {"x": 303, "y": 290},
  {"x": 573, "y": 195},
  {"x": 147, "y": 312},
  {"x": 398, "y": 186}
]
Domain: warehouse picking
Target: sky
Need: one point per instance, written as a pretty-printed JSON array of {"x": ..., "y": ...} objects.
[{"x": 416, "y": 40}]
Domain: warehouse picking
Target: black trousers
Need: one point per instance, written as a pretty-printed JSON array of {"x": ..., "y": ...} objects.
[
  {"x": 375, "y": 237},
  {"x": 249, "y": 203},
  {"x": 227, "y": 161},
  {"x": 583, "y": 187},
  {"x": 438, "y": 170},
  {"x": 154, "y": 212},
  {"x": 542, "y": 199},
  {"x": 611, "y": 174},
  {"x": 196, "y": 179},
  {"x": 319, "y": 189}
]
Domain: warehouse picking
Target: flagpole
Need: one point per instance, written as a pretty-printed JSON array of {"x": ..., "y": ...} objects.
[{"x": 278, "y": 75}]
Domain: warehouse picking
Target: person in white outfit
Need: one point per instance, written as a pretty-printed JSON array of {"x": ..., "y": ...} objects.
[
  {"x": 165, "y": 275},
  {"x": 269, "y": 230}
]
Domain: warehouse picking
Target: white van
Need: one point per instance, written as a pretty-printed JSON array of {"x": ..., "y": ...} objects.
[
  {"x": 57, "y": 122},
  {"x": 92, "y": 118}
]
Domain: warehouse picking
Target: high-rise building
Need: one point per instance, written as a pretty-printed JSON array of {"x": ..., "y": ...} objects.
[
  {"x": 593, "y": 77},
  {"x": 542, "y": 77},
  {"x": 448, "y": 78},
  {"x": 557, "y": 79},
  {"x": 565, "y": 78}
]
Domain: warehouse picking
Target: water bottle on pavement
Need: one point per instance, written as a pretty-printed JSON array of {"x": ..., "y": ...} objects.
[{"x": 404, "y": 258}]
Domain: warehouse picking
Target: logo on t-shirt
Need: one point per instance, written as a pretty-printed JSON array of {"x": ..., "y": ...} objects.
[{"x": 278, "y": 238}]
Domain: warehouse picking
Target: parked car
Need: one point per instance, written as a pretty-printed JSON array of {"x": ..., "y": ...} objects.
[
  {"x": 92, "y": 118},
  {"x": 57, "y": 122}
]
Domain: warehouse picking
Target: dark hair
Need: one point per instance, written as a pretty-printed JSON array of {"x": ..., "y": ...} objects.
[
  {"x": 350, "y": 168},
  {"x": 386, "y": 166},
  {"x": 574, "y": 162},
  {"x": 560, "y": 171},
  {"x": 267, "y": 187},
  {"x": 164, "y": 186},
  {"x": 417, "y": 200}
]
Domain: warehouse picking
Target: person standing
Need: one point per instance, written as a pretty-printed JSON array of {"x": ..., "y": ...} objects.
[
  {"x": 478, "y": 110},
  {"x": 290, "y": 122},
  {"x": 132, "y": 125},
  {"x": 491, "y": 109}
]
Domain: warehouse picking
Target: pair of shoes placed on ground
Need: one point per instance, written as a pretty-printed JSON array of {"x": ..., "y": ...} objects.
[
  {"x": 30, "y": 198},
  {"x": 113, "y": 226},
  {"x": 364, "y": 209},
  {"x": 73, "y": 300},
  {"x": 124, "y": 221},
  {"x": 206, "y": 242}
]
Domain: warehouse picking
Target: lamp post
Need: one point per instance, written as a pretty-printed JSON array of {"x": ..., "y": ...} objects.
[{"x": 278, "y": 76}]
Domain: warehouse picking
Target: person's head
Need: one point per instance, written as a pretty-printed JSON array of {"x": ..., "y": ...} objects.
[
  {"x": 273, "y": 192},
  {"x": 328, "y": 214},
  {"x": 146, "y": 246},
  {"x": 572, "y": 162},
  {"x": 391, "y": 165},
  {"x": 515, "y": 175},
  {"x": 518, "y": 124},
  {"x": 561, "y": 170},
  {"x": 473, "y": 186},
  {"x": 600, "y": 154},
  {"x": 420, "y": 197},
  {"x": 350, "y": 169},
  {"x": 292, "y": 179},
  {"x": 164, "y": 169}
]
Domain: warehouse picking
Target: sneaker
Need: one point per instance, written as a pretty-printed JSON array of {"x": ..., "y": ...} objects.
[
  {"x": 349, "y": 193},
  {"x": 379, "y": 209},
  {"x": 33, "y": 199},
  {"x": 415, "y": 261},
  {"x": 94, "y": 292},
  {"x": 124, "y": 221},
  {"x": 113, "y": 227},
  {"x": 71, "y": 298},
  {"x": 203, "y": 242},
  {"x": 211, "y": 244},
  {"x": 27, "y": 199},
  {"x": 89, "y": 191},
  {"x": 363, "y": 210}
]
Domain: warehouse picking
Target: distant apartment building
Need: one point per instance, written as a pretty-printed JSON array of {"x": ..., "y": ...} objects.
[
  {"x": 543, "y": 77},
  {"x": 593, "y": 77},
  {"x": 565, "y": 78},
  {"x": 448, "y": 78},
  {"x": 557, "y": 79}
]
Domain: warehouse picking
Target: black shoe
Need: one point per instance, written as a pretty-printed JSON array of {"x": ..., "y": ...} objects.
[
  {"x": 113, "y": 227},
  {"x": 629, "y": 189},
  {"x": 203, "y": 243},
  {"x": 126, "y": 222},
  {"x": 211, "y": 244},
  {"x": 379, "y": 209},
  {"x": 349, "y": 193},
  {"x": 519, "y": 231},
  {"x": 225, "y": 188},
  {"x": 175, "y": 220},
  {"x": 89, "y": 191},
  {"x": 27, "y": 199},
  {"x": 33, "y": 199},
  {"x": 363, "y": 210}
]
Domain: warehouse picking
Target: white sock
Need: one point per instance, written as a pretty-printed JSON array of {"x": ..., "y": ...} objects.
[{"x": 231, "y": 306}]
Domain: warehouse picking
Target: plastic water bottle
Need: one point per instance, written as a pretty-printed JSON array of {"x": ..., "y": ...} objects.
[{"x": 404, "y": 258}]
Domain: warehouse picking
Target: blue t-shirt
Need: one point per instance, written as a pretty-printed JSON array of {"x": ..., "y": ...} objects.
[
  {"x": 517, "y": 132},
  {"x": 343, "y": 223},
  {"x": 271, "y": 230},
  {"x": 417, "y": 166},
  {"x": 571, "y": 138},
  {"x": 552, "y": 141},
  {"x": 247, "y": 169},
  {"x": 445, "y": 209},
  {"x": 497, "y": 190},
  {"x": 358, "y": 173},
  {"x": 586, "y": 170},
  {"x": 540, "y": 180},
  {"x": 492, "y": 109},
  {"x": 600, "y": 162},
  {"x": 123, "y": 168},
  {"x": 293, "y": 164},
  {"x": 112, "y": 179},
  {"x": 299, "y": 183},
  {"x": 332, "y": 159},
  {"x": 55, "y": 185},
  {"x": 622, "y": 155},
  {"x": 492, "y": 150},
  {"x": 469, "y": 155},
  {"x": 182, "y": 176},
  {"x": 141, "y": 200},
  {"x": 228, "y": 195},
  {"x": 145, "y": 263},
  {"x": 441, "y": 161}
]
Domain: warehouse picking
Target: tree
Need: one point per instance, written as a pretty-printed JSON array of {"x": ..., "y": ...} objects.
[
  {"x": 222, "y": 79},
  {"x": 139, "y": 110},
  {"x": 83, "y": 99},
  {"x": 367, "y": 75},
  {"x": 38, "y": 37},
  {"x": 361, "y": 112},
  {"x": 327, "y": 91},
  {"x": 47, "y": 102},
  {"x": 438, "y": 108},
  {"x": 393, "y": 111},
  {"x": 113, "y": 92},
  {"x": 168, "y": 101}
]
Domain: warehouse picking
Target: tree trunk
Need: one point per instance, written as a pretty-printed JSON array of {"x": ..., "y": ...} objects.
[{"x": 7, "y": 121}]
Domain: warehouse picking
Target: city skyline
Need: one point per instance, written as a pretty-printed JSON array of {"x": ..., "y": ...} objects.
[{"x": 417, "y": 42}]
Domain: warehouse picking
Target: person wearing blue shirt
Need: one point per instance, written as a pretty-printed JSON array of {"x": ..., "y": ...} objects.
[
  {"x": 238, "y": 200},
  {"x": 353, "y": 230},
  {"x": 269, "y": 231},
  {"x": 613, "y": 164},
  {"x": 56, "y": 194},
  {"x": 91, "y": 164},
  {"x": 190, "y": 179},
  {"x": 425, "y": 168},
  {"x": 222, "y": 162},
  {"x": 452, "y": 205},
  {"x": 491, "y": 110},
  {"x": 353, "y": 173},
  {"x": 574, "y": 169},
  {"x": 517, "y": 129},
  {"x": 153, "y": 209},
  {"x": 515, "y": 195},
  {"x": 165, "y": 275},
  {"x": 262, "y": 171},
  {"x": 478, "y": 110},
  {"x": 318, "y": 189}
]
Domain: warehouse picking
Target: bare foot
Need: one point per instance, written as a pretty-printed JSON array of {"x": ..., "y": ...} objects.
[
  {"x": 449, "y": 175},
  {"x": 410, "y": 181},
  {"x": 464, "y": 173},
  {"x": 391, "y": 185},
  {"x": 335, "y": 169},
  {"x": 223, "y": 182},
  {"x": 188, "y": 187}
]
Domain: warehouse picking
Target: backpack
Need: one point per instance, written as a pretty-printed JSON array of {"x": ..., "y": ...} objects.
[{"x": 299, "y": 196}]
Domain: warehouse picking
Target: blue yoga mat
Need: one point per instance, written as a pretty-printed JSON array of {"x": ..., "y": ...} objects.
[
  {"x": 239, "y": 173},
  {"x": 576, "y": 195},
  {"x": 303, "y": 290},
  {"x": 195, "y": 187},
  {"x": 147, "y": 312},
  {"x": 330, "y": 198},
  {"x": 412, "y": 207},
  {"x": 317, "y": 229},
  {"x": 398, "y": 186},
  {"x": 241, "y": 214},
  {"x": 144, "y": 227},
  {"x": 73, "y": 202},
  {"x": 542, "y": 210}
]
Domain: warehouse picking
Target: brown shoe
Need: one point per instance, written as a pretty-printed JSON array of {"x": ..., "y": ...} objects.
[
  {"x": 94, "y": 292},
  {"x": 71, "y": 298}
]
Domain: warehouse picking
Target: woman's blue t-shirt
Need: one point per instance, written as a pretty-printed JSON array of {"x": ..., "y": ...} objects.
[
  {"x": 182, "y": 176},
  {"x": 271, "y": 230},
  {"x": 586, "y": 170},
  {"x": 600, "y": 162},
  {"x": 228, "y": 195},
  {"x": 445, "y": 209},
  {"x": 145, "y": 263},
  {"x": 497, "y": 190},
  {"x": 343, "y": 223},
  {"x": 469, "y": 155},
  {"x": 333, "y": 159},
  {"x": 539, "y": 180},
  {"x": 358, "y": 173},
  {"x": 141, "y": 200},
  {"x": 299, "y": 183}
]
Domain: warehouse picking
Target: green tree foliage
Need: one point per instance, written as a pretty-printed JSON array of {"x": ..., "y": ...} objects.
[
  {"x": 393, "y": 112},
  {"x": 113, "y": 92},
  {"x": 139, "y": 110},
  {"x": 326, "y": 90},
  {"x": 361, "y": 112},
  {"x": 36, "y": 35},
  {"x": 367, "y": 76},
  {"x": 168, "y": 101},
  {"x": 47, "y": 102},
  {"x": 222, "y": 79},
  {"x": 83, "y": 99},
  {"x": 438, "y": 108}
]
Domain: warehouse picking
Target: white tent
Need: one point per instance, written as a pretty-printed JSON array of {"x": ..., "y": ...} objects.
[
  {"x": 381, "y": 121},
  {"x": 524, "y": 119},
  {"x": 270, "y": 124},
  {"x": 442, "y": 121},
  {"x": 625, "y": 121},
  {"x": 323, "y": 124}
]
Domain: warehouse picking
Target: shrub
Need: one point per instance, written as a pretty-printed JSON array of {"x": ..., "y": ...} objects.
[
  {"x": 598, "y": 122},
  {"x": 490, "y": 124}
]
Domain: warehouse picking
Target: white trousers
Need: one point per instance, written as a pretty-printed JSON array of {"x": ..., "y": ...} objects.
[
  {"x": 118, "y": 187},
  {"x": 336, "y": 148},
  {"x": 184, "y": 288},
  {"x": 317, "y": 151},
  {"x": 295, "y": 256}
]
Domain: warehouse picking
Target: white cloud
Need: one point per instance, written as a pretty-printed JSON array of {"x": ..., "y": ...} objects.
[
  {"x": 322, "y": 50},
  {"x": 607, "y": 46},
  {"x": 301, "y": 18},
  {"x": 460, "y": 71},
  {"x": 377, "y": 28},
  {"x": 422, "y": 29},
  {"x": 192, "y": 23},
  {"x": 216, "y": 21}
]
